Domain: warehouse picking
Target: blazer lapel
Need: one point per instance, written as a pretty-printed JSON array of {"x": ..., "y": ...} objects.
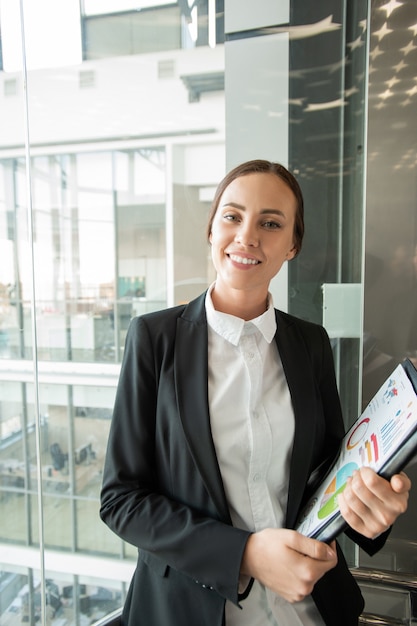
[
  {"x": 191, "y": 379},
  {"x": 300, "y": 378}
]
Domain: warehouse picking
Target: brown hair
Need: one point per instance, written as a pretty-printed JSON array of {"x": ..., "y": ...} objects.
[{"x": 260, "y": 166}]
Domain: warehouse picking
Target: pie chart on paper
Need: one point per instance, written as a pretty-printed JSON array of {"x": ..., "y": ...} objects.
[{"x": 328, "y": 503}]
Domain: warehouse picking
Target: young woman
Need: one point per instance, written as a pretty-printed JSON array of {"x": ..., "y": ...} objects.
[{"x": 224, "y": 408}]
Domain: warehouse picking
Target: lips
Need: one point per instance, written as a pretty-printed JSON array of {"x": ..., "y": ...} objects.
[{"x": 243, "y": 260}]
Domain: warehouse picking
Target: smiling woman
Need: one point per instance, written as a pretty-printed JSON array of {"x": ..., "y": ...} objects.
[{"x": 225, "y": 407}]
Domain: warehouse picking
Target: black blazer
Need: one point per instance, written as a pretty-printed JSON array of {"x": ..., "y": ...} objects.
[{"x": 162, "y": 488}]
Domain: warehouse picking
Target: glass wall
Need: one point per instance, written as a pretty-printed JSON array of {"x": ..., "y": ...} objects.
[
  {"x": 390, "y": 313},
  {"x": 353, "y": 143},
  {"x": 108, "y": 161}
]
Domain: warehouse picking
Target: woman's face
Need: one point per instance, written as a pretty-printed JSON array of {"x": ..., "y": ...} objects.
[{"x": 253, "y": 232}]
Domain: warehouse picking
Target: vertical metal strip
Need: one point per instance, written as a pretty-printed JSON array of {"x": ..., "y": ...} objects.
[
  {"x": 116, "y": 325},
  {"x": 364, "y": 195},
  {"x": 339, "y": 277},
  {"x": 169, "y": 225},
  {"x": 212, "y": 23},
  {"x": 33, "y": 314}
]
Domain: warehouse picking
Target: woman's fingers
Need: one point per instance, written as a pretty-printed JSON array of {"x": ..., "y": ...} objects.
[{"x": 370, "y": 504}]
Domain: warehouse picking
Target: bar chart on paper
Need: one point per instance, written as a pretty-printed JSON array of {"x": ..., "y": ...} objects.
[{"x": 384, "y": 438}]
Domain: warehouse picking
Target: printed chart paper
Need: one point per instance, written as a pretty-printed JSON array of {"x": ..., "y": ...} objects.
[{"x": 383, "y": 438}]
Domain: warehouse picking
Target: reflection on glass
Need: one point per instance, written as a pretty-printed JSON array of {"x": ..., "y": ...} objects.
[{"x": 68, "y": 599}]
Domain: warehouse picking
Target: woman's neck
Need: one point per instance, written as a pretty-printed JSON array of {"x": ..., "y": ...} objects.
[{"x": 243, "y": 304}]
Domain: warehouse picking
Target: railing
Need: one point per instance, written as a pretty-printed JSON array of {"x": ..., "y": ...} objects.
[
  {"x": 367, "y": 619},
  {"x": 395, "y": 581},
  {"x": 112, "y": 619}
]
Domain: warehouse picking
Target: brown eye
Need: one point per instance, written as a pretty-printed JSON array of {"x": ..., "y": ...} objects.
[{"x": 230, "y": 217}]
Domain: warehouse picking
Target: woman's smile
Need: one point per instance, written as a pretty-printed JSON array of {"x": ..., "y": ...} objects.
[{"x": 243, "y": 260}]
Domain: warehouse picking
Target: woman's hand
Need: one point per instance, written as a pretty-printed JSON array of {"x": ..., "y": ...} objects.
[
  {"x": 287, "y": 562},
  {"x": 371, "y": 504}
]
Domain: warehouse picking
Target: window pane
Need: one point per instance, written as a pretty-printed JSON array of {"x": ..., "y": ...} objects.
[
  {"x": 15, "y": 466},
  {"x": 14, "y": 589},
  {"x": 133, "y": 33},
  {"x": 95, "y": 7}
]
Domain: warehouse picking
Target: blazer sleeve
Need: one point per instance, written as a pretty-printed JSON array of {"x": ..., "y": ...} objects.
[{"x": 135, "y": 502}]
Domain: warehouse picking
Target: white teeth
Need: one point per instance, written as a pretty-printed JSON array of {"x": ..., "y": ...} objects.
[{"x": 243, "y": 260}]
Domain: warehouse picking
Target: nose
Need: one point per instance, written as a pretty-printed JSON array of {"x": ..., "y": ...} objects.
[{"x": 247, "y": 235}]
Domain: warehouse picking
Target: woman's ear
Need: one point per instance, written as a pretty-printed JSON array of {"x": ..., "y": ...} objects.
[
  {"x": 291, "y": 253},
  {"x": 210, "y": 238}
]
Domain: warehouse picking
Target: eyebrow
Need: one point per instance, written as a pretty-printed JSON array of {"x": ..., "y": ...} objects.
[{"x": 236, "y": 205}]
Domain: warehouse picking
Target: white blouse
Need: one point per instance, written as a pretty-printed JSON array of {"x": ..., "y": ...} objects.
[{"x": 252, "y": 422}]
